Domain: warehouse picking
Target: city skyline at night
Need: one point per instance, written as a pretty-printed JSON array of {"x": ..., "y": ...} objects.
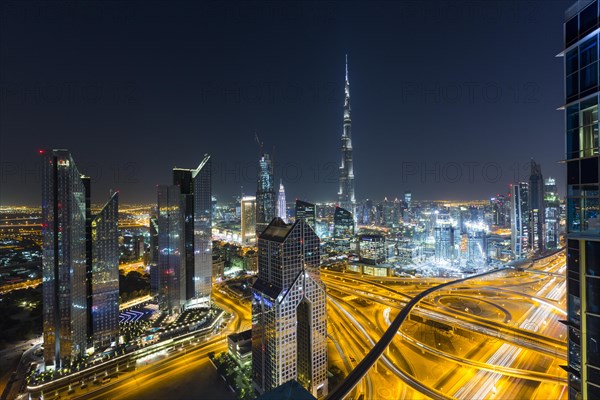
[{"x": 434, "y": 233}]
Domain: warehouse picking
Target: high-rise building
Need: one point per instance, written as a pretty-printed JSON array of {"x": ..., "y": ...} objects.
[
  {"x": 583, "y": 223},
  {"x": 371, "y": 248},
  {"x": 346, "y": 192},
  {"x": 537, "y": 225},
  {"x": 281, "y": 206},
  {"x": 171, "y": 253},
  {"x": 289, "y": 320},
  {"x": 519, "y": 219},
  {"x": 105, "y": 274},
  {"x": 248, "y": 220},
  {"x": 343, "y": 224},
  {"x": 476, "y": 243},
  {"x": 446, "y": 238},
  {"x": 154, "y": 276},
  {"x": 65, "y": 288},
  {"x": 552, "y": 211},
  {"x": 306, "y": 211},
  {"x": 196, "y": 211},
  {"x": 265, "y": 193},
  {"x": 80, "y": 263},
  {"x": 500, "y": 211}
]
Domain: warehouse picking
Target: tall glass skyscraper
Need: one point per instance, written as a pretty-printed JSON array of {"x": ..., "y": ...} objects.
[
  {"x": 552, "y": 211},
  {"x": 343, "y": 224},
  {"x": 265, "y": 193},
  {"x": 289, "y": 316},
  {"x": 105, "y": 274},
  {"x": 519, "y": 219},
  {"x": 195, "y": 188},
  {"x": 307, "y": 211},
  {"x": 581, "y": 30},
  {"x": 80, "y": 263},
  {"x": 537, "y": 214},
  {"x": 346, "y": 192},
  {"x": 171, "y": 254},
  {"x": 65, "y": 294},
  {"x": 281, "y": 206},
  {"x": 248, "y": 220}
]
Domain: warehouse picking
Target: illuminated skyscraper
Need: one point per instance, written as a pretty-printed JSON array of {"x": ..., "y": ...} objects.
[
  {"x": 343, "y": 224},
  {"x": 583, "y": 214},
  {"x": 346, "y": 192},
  {"x": 552, "y": 210},
  {"x": 289, "y": 316},
  {"x": 171, "y": 254},
  {"x": 476, "y": 243},
  {"x": 281, "y": 206},
  {"x": 248, "y": 220},
  {"x": 105, "y": 274},
  {"x": 154, "y": 280},
  {"x": 519, "y": 219},
  {"x": 537, "y": 225},
  {"x": 196, "y": 207},
  {"x": 80, "y": 263},
  {"x": 446, "y": 238},
  {"x": 265, "y": 194},
  {"x": 306, "y": 211},
  {"x": 65, "y": 289}
]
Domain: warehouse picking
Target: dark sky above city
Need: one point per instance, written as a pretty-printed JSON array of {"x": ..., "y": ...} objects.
[{"x": 450, "y": 99}]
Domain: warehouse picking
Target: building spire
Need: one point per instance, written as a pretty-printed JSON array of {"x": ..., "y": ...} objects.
[{"x": 346, "y": 67}]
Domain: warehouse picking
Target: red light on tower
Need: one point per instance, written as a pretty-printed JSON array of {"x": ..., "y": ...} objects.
[{"x": 41, "y": 151}]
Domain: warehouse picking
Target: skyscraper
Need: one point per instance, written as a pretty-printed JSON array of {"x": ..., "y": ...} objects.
[
  {"x": 171, "y": 253},
  {"x": 248, "y": 220},
  {"x": 154, "y": 276},
  {"x": 346, "y": 192},
  {"x": 307, "y": 211},
  {"x": 105, "y": 274},
  {"x": 196, "y": 212},
  {"x": 537, "y": 225},
  {"x": 265, "y": 193},
  {"x": 583, "y": 242},
  {"x": 80, "y": 263},
  {"x": 445, "y": 234},
  {"x": 343, "y": 224},
  {"x": 476, "y": 243},
  {"x": 281, "y": 207},
  {"x": 289, "y": 320},
  {"x": 552, "y": 211},
  {"x": 65, "y": 288},
  {"x": 519, "y": 219}
]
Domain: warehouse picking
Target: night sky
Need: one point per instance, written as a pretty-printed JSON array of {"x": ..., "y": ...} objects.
[{"x": 466, "y": 91}]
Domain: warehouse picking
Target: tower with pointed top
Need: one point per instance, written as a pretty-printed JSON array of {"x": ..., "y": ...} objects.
[
  {"x": 346, "y": 193},
  {"x": 281, "y": 206}
]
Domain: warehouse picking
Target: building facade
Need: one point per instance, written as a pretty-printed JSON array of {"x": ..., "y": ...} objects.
[
  {"x": 307, "y": 211},
  {"x": 343, "y": 224},
  {"x": 552, "y": 211},
  {"x": 289, "y": 320},
  {"x": 65, "y": 294},
  {"x": 281, "y": 205},
  {"x": 446, "y": 238},
  {"x": 105, "y": 274},
  {"x": 537, "y": 214},
  {"x": 519, "y": 219},
  {"x": 248, "y": 220},
  {"x": 171, "y": 254},
  {"x": 265, "y": 194},
  {"x": 581, "y": 30}
]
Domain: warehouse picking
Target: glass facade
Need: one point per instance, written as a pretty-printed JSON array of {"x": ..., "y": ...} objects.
[
  {"x": 65, "y": 319},
  {"x": 105, "y": 274},
  {"x": 248, "y": 220},
  {"x": 265, "y": 194},
  {"x": 306, "y": 211},
  {"x": 343, "y": 224},
  {"x": 583, "y": 223},
  {"x": 519, "y": 221},
  {"x": 171, "y": 260},
  {"x": 289, "y": 320},
  {"x": 202, "y": 180}
]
